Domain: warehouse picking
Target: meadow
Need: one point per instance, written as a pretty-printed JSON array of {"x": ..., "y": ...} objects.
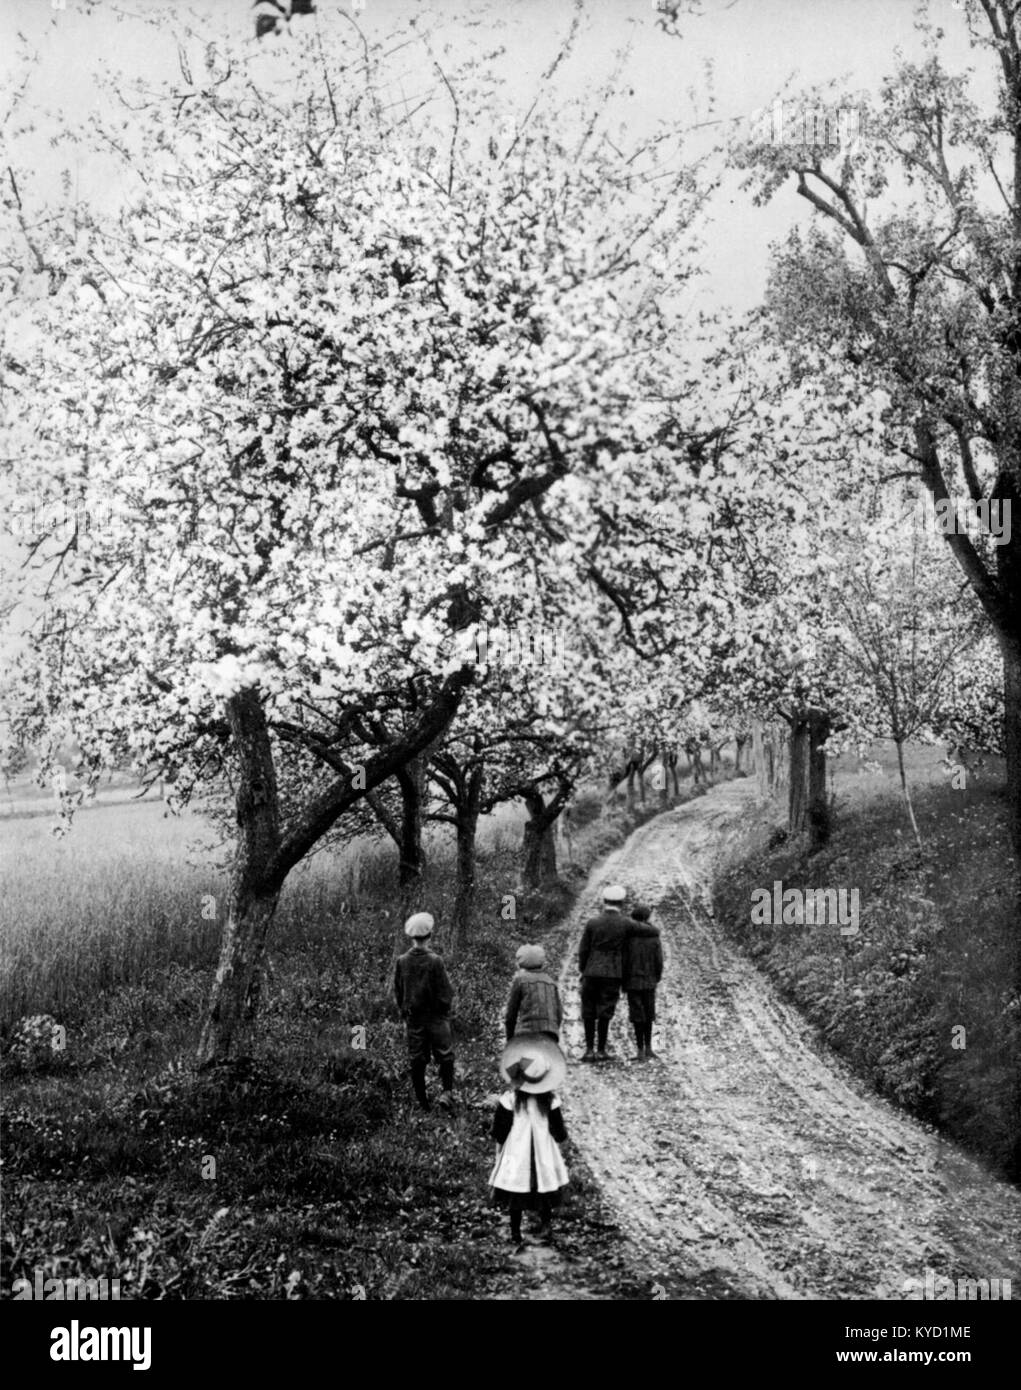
[
  {"x": 134, "y": 890},
  {"x": 307, "y": 1172}
]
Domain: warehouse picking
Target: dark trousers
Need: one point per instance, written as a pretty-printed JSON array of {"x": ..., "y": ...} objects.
[
  {"x": 430, "y": 1037},
  {"x": 427, "y": 1038},
  {"x": 599, "y": 996},
  {"x": 641, "y": 1007}
]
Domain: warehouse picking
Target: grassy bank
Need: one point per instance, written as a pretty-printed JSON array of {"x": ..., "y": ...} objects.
[
  {"x": 923, "y": 1000},
  {"x": 307, "y": 1174}
]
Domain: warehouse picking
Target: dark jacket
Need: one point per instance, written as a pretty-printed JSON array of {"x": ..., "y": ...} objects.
[
  {"x": 601, "y": 951},
  {"x": 421, "y": 986},
  {"x": 643, "y": 957},
  {"x": 534, "y": 1004}
]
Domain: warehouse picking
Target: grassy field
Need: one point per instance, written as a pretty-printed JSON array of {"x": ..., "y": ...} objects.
[
  {"x": 133, "y": 891},
  {"x": 308, "y": 1174},
  {"x": 936, "y": 952},
  {"x": 120, "y": 896}
]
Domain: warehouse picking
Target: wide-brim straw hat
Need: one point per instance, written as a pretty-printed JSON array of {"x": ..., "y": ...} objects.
[{"x": 522, "y": 1059}]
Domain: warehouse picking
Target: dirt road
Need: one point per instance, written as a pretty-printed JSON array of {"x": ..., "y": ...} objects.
[{"x": 746, "y": 1162}]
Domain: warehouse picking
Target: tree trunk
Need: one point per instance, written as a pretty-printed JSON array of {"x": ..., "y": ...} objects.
[
  {"x": 1010, "y": 646},
  {"x": 563, "y": 829},
  {"x": 616, "y": 776},
  {"x": 769, "y": 756},
  {"x": 674, "y": 771},
  {"x": 630, "y": 792},
  {"x": 539, "y": 848},
  {"x": 818, "y": 804},
  {"x": 238, "y": 983},
  {"x": 758, "y": 758},
  {"x": 1012, "y": 752},
  {"x": 1008, "y": 633},
  {"x": 807, "y": 803},
  {"x": 743, "y": 740},
  {"x": 411, "y": 865},
  {"x": 906, "y": 790},
  {"x": 797, "y": 791},
  {"x": 467, "y": 826},
  {"x": 695, "y": 765},
  {"x": 1008, "y": 565},
  {"x": 237, "y": 989},
  {"x": 266, "y": 853}
]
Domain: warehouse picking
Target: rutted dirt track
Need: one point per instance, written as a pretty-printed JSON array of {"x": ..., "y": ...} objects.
[{"x": 746, "y": 1162}]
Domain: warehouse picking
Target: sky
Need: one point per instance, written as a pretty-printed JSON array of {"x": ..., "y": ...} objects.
[{"x": 750, "y": 47}]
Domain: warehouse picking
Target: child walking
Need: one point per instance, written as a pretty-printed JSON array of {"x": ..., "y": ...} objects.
[
  {"x": 529, "y": 1173},
  {"x": 643, "y": 970},
  {"x": 534, "y": 1004},
  {"x": 424, "y": 994}
]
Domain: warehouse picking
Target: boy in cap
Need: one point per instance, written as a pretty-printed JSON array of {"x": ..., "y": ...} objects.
[
  {"x": 643, "y": 970},
  {"x": 424, "y": 994},
  {"x": 601, "y": 960},
  {"x": 534, "y": 1004}
]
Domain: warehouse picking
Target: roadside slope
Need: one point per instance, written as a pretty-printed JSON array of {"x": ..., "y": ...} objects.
[{"x": 747, "y": 1162}]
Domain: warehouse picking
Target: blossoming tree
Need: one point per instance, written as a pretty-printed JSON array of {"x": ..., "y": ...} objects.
[{"x": 324, "y": 388}]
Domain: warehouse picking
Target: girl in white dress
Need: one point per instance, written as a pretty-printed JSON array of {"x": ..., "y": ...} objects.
[{"x": 529, "y": 1173}]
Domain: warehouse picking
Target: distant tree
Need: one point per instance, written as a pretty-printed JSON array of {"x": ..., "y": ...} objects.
[{"x": 911, "y": 283}]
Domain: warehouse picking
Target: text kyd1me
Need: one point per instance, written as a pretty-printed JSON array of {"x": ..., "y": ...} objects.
[{"x": 899, "y": 1332}]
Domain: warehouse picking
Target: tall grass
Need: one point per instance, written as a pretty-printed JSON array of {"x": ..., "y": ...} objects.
[
  {"x": 131, "y": 891},
  {"x": 100, "y": 907},
  {"x": 327, "y": 1178}
]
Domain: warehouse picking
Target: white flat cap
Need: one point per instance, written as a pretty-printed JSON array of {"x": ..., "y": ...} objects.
[{"x": 421, "y": 924}]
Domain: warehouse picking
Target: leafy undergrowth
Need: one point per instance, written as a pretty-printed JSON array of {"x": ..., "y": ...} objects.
[
  {"x": 321, "y": 1190},
  {"x": 306, "y": 1173},
  {"x": 936, "y": 954}
]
